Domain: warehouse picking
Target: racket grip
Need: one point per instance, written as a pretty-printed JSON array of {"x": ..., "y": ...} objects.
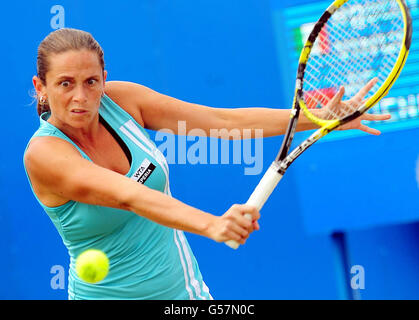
[
  {"x": 234, "y": 244},
  {"x": 261, "y": 193}
]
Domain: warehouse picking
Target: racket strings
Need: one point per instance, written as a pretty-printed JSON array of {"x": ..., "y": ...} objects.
[
  {"x": 352, "y": 69},
  {"x": 359, "y": 42},
  {"x": 365, "y": 61},
  {"x": 322, "y": 99},
  {"x": 350, "y": 66},
  {"x": 366, "y": 58}
]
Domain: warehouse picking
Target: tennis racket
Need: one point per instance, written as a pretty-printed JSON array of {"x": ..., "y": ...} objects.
[{"x": 351, "y": 59}]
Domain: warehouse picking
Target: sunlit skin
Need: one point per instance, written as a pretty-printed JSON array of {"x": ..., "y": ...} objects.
[
  {"x": 74, "y": 86},
  {"x": 336, "y": 103},
  {"x": 75, "y": 82}
]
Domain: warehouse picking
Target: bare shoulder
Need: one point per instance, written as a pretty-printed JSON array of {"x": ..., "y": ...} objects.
[
  {"x": 130, "y": 96},
  {"x": 155, "y": 110},
  {"x": 45, "y": 160},
  {"x": 44, "y": 157},
  {"x": 44, "y": 149}
]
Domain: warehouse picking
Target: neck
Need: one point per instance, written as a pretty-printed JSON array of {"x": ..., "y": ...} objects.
[{"x": 83, "y": 136}]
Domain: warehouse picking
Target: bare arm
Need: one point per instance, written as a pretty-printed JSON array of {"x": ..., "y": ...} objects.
[
  {"x": 158, "y": 111},
  {"x": 56, "y": 166}
]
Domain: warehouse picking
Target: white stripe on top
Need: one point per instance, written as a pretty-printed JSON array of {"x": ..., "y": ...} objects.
[
  {"x": 134, "y": 129},
  {"x": 183, "y": 248},
  {"x": 191, "y": 297},
  {"x": 139, "y": 144},
  {"x": 194, "y": 282}
]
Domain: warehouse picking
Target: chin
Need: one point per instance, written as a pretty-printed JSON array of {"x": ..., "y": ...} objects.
[{"x": 80, "y": 119}]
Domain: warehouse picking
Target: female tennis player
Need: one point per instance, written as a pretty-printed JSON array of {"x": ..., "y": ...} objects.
[{"x": 105, "y": 185}]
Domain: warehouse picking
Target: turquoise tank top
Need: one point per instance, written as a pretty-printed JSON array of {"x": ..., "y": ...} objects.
[{"x": 147, "y": 260}]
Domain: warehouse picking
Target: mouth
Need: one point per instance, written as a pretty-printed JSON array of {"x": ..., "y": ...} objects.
[{"x": 78, "y": 111}]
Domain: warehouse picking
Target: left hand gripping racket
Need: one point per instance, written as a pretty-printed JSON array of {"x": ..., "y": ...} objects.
[{"x": 353, "y": 42}]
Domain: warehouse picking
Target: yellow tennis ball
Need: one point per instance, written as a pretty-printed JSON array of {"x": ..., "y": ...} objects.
[{"x": 92, "y": 265}]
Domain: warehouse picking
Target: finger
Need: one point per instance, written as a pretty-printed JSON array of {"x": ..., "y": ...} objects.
[
  {"x": 237, "y": 233},
  {"x": 256, "y": 226},
  {"x": 369, "y": 130},
  {"x": 242, "y": 226},
  {"x": 376, "y": 117},
  {"x": 363, "y": 92},
  {"x": 236, "y": 237},
  {"x": 246, "y": 221},
  {"x": 367, "y": 88},
  {"x": 252, "y": 210},
  {"x": 252, "y": 226},
  {"x": 338, "y": 96},
  {"x": 247, "y": 224}
]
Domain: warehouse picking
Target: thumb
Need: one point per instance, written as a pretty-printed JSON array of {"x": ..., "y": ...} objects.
[{"x": 250, "y": 212}]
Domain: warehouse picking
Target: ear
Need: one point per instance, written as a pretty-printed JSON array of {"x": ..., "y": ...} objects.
[
  {"x": 39, "y": 87},
  {"x": 105, "y": 74}
]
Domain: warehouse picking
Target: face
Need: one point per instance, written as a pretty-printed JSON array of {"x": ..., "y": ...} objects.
[{"x": 74, "y": 86}]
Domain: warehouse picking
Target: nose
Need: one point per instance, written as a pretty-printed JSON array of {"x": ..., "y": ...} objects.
[{"x": 80, "y": 95}]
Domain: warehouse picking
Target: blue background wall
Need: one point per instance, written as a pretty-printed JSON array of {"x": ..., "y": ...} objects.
[{"x": 222, "y": 54}]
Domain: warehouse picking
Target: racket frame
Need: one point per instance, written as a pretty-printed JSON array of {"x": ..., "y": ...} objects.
[{"x": 283, "y": 160}]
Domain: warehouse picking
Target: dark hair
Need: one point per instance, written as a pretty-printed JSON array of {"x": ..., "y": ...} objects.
[{"x": 60, "y": 41}]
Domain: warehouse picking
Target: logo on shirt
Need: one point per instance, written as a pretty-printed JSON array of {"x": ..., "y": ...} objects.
[{"x": 144, "y": 171}]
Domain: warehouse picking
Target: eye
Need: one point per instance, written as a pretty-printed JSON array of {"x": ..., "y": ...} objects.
[
  {"x": 65, "y": 83},
  {"x": 91, "y": 81}
]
